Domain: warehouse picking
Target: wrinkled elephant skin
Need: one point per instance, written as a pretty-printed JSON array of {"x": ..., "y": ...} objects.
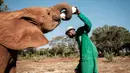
[{"x": 26, "y": 28}]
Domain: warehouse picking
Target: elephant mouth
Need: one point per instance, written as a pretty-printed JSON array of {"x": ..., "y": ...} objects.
[
  {"x": 56, "y": 18},
  {"x": 55, "y": 24},
  {"x": 56, "y": 21}
]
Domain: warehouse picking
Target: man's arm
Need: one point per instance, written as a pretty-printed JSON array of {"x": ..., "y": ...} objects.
[{"x": 86, "y": 22}]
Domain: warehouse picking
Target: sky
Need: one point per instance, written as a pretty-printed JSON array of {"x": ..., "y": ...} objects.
[{"x": 100, "y": 12}]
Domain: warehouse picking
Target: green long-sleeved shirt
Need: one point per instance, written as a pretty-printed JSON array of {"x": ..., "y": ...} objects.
[{"x": 87, "y": 48}]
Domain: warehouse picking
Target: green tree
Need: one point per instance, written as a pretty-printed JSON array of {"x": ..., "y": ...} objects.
[
  {"x": 29, "y": 52},
  {"x": 110, "y": 38},
  {"x": 63, "y": 46},
  {"x": 3, "y": 6}
]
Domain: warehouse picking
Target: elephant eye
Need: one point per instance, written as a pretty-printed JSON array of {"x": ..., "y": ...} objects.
[{"x": 48, "y": 13}]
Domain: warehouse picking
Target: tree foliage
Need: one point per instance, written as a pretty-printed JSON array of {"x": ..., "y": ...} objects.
[
  {"x": 63, "y": 46},
  {"x": 110, "y": 38},
  {"x": 3, "y": 6}
]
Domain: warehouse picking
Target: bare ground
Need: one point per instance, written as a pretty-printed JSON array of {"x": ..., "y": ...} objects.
[{"x": 67, "y": 65}]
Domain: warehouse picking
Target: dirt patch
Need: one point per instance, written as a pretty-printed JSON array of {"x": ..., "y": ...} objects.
[{"x": 67, "y": 65}]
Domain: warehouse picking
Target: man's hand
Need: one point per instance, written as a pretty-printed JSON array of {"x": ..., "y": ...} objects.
[{"x": 75, "y": 10}]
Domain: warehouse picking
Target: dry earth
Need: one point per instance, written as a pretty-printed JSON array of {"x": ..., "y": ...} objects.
[{"x": 67, "y": 65}]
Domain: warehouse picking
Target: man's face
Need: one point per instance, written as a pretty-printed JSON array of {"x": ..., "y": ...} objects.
[{"x": 71, "y": 33}]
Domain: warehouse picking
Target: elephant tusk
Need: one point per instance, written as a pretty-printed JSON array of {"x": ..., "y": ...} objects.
[{"x": 62, "y": 16}]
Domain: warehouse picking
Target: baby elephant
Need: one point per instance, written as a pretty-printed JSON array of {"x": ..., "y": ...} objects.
[{"x": 26, "y": 28}]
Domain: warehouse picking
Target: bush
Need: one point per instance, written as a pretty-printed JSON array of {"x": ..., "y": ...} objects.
[
  {"x": 37, "y": 55},
  {"x": 109, "y": 56}
]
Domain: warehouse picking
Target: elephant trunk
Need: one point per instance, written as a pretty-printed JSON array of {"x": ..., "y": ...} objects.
[{"x": 66, "y": 7}]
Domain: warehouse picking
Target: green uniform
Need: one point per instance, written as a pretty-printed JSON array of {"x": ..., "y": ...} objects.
[{"x": 88, "y": 51}]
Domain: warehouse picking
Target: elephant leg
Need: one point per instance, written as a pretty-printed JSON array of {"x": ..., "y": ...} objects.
[
  {"x": 4, "y": 58},
  {"x": 11, "y": 68}
]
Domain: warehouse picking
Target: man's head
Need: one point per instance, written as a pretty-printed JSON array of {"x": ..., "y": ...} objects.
[{"x": 70, "y": 32}]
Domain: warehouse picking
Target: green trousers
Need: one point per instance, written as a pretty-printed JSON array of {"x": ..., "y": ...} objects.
[{"x": 85, "y": 67}]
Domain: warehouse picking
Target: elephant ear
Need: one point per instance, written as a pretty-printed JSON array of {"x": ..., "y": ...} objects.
[{"x": 19, "y": 32}]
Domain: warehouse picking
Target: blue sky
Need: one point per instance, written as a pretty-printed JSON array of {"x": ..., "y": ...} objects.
[{"x": 100, "y": 12}]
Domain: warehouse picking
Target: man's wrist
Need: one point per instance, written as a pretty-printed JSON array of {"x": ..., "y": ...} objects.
[{"x": 78, "y": 12}]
